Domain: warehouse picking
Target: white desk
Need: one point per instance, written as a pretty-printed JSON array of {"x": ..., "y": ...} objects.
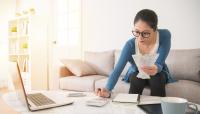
[
  {"x": 79, "y": 106},
  {"x": 5, "y": 109}
]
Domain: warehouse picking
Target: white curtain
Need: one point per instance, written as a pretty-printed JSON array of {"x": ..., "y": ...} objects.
[
  {"x": 3, "y": 54},
  {"x": 6, "y": 13}
]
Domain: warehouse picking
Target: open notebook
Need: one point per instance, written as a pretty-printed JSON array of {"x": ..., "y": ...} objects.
[
  {"x": 136, "y": 98},
  {"x": 127, "y": 98}
]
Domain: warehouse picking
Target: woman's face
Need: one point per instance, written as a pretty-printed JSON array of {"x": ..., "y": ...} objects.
[{"x": 143, "y": 32}]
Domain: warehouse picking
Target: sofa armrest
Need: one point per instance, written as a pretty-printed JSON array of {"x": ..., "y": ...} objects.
[{"x": 64, "y": 71}]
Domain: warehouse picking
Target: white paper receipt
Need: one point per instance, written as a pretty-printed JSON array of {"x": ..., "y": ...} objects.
[{"x": 144, "y": 60}]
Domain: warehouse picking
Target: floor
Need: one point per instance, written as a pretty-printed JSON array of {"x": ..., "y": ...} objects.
[{"x": 3, "y": 90}]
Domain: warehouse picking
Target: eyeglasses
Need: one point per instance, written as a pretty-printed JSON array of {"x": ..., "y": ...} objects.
[{"x": 143, "y": 34}]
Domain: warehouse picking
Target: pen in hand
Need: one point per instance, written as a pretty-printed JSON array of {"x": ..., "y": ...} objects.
[{"x": 103, "y": 92}]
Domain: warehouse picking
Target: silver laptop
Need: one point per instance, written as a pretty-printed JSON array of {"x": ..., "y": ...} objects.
[{"x": 34, "y": 101}]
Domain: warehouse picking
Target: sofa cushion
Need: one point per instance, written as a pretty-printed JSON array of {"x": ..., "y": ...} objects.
[
  {"x": 185, "y": 89},
  {"x": 78, "y": 67},
  {"x": 75, "y": 83},
  {"x": 117, "y": 55},
  {"x": 120, "y": 87},
  {"x": 102, "y": 62},
  {"x": 184, "y": 64}
]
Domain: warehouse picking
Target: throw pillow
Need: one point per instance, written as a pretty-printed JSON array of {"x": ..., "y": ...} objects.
[{"x": 78, "y": 67}]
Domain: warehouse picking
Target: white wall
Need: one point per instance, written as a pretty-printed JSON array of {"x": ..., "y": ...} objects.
[
  {"x": 40, "y": 34},
  {"x": 41, "y": 6},
  {"x": 107, "y": 24},
  {"x": 7, "y": 11}
]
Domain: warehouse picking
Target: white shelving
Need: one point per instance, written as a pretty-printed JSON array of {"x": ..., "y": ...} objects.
[
  {"x": 18, "y": 39},
  {"x": 28, "y": 46}
]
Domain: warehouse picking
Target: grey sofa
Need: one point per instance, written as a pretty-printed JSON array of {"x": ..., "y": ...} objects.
[{"x": 184, "y": 65}]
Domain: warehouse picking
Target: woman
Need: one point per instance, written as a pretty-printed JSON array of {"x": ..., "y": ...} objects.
[{"x": 148, "y": 39}]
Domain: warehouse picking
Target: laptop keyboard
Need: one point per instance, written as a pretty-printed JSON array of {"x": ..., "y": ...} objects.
[{"x": 39, "y": 99}]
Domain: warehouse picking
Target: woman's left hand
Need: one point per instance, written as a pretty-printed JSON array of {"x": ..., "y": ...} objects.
[{"x": 150, "y": 70}]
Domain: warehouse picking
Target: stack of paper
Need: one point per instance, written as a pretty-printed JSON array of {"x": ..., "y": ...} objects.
[{"x": 144, "y": 60}]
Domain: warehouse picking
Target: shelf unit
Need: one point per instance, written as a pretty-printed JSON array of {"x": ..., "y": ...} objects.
[
  {"x": 27, "y": 45},
  {"x": 18, "y": 39}
]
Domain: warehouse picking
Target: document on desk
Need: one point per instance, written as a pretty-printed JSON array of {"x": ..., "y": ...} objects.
[
  {"x": 136, "y": 98},
  {"x": 144, "y": 60},
  {"x": 127, "y": 98},
  {"x": 149, "y": 100}
]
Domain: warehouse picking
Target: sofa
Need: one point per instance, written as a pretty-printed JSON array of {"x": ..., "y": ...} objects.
[{"x": 184, "y": 65}]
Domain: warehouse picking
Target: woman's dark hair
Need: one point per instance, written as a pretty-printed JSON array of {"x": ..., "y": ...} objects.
[{"x": 148, "y": 16}]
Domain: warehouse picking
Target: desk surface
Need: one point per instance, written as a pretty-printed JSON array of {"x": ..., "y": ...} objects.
[
  {"x": 5, "y": 109},
  {"x": 79, "y": 107}
]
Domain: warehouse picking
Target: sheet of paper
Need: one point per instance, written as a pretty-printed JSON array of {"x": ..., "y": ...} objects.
[
  {"x": 150, "y": 99},
  {"x": 144, "y": 60},
  {"x": 126, "y": 98}
]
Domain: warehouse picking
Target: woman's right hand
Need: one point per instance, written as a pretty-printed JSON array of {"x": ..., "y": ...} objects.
[{"x": 103, "y": 92}]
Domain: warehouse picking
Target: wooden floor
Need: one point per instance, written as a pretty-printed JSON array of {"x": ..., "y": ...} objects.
[
  {"x": 4, "y": 90},
  {"x": 4, "y": 108}
]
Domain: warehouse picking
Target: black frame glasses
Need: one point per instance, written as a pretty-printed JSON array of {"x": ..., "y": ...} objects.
[{"x": 143, "y": 34}]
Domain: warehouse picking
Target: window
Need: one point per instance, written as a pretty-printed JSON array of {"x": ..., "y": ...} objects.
[{"x": 68, "y": 22}]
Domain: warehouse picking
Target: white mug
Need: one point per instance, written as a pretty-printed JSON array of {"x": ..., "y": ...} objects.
[{"x": 175, "y": 105}]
